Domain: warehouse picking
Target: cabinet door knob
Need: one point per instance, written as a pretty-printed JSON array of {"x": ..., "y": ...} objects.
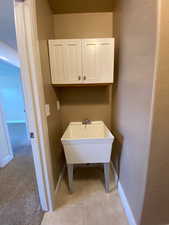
[
  {"x": 79, "y": 77},
  {"x": 84, "y": 78}
]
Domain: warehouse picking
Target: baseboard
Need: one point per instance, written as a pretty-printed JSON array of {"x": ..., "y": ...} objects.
[
  {"x": 123, "y": 198},
  {"x": 60, "y": 180},
  {"x": 5, "y": 161},
  {"x": 115, "y": 173},
  {"x": 126, "y": 205}
]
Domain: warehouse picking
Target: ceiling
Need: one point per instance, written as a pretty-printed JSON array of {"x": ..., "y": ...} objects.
[
  {"x": 7, "y": 25},
  {"x": 9, "y": 55},
  {"x": 80, "y": 6}
]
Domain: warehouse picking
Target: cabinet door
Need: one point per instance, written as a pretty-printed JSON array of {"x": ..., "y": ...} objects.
[
  {"x": 65, "y": 61},
  {"x": 57, "y": 55},
  {"x": 98, "y": 60},
  {"x": 73, "y": 61}
]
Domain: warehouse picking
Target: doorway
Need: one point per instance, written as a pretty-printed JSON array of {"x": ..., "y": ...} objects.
[
  {"x": 19, "y": 198},
  {"x": 19, "y": 202},
  {"x": 12, "y": 104}
]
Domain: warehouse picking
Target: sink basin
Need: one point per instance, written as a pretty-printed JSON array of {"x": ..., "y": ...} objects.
[{"x": 91, "y": 143}]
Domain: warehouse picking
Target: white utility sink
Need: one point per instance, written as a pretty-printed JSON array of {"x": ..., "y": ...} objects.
[{"x": 89, "y": 143}]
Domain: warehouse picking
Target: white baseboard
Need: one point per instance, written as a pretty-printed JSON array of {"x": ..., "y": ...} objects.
[
  {"x": 126, "y": 205},
  {"x": 115, "y": 173},
  {"x": 5, "y": 161},
  {"x": 123, "y": 198},
  {"x": 60, "y": 179}
]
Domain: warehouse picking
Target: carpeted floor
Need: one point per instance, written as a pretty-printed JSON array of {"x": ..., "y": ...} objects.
[{"x": 19, "y": 201}]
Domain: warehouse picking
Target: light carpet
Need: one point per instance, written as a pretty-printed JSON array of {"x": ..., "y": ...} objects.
[{"x": 19, "y": 201}]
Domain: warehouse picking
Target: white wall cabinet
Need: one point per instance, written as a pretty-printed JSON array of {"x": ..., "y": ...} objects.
[{"x": 82, "y": 61}]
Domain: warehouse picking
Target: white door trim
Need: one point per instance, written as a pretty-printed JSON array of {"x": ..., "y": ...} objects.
[
  {"x": 8, "y": 156},
  {"x": 31, "y": 75}
]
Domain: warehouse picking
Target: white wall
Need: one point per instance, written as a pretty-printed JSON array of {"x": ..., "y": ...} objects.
[
  {"x": 5, "y": 146},
  {"x": 7, "y": 25},
  {"x": 9, "y": 54},
  {"x": 11, "y": 96}
]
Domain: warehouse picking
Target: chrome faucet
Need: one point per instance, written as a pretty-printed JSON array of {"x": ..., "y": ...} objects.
[{"x": 86, "y": 121}]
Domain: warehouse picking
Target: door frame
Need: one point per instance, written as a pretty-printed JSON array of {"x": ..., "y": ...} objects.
[{"x": 31, "y": 76}]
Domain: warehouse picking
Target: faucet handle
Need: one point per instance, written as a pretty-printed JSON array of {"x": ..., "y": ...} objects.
[{"x": 86, "y": 121}]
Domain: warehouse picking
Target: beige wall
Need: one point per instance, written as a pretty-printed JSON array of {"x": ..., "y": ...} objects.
[
  {"x": 83, "y": 25},
  {"x": 45, "y": 32},
  {"x": 156, "y": 206},
  {"x": 135, "y": 31},
  {"x": 80, "y": 6},
  {"x": 78, "y": 103}
]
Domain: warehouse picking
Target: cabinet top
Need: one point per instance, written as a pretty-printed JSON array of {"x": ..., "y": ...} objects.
[{"x": 79, "y": 39}]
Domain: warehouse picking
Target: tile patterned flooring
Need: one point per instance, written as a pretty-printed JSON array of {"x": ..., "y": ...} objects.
[{"x": 89, "y": 204}]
